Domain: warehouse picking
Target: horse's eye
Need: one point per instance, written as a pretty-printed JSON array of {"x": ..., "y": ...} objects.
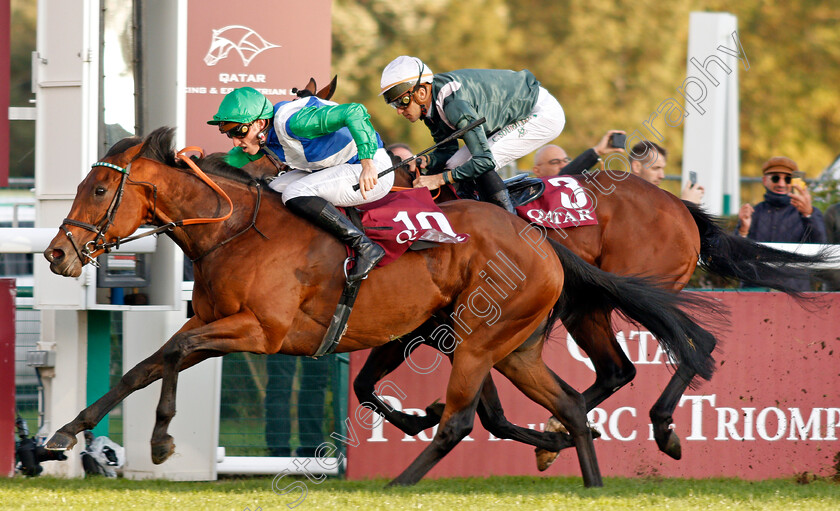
[{"x": 100, "y": 190}]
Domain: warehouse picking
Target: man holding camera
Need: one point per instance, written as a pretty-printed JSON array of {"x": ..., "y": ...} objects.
[
  {"x": 520, "y": 117},
  {"x": 786, "y": 214}
]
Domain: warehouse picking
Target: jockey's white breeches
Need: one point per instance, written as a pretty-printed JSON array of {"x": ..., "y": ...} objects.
[
  {"x": 335, "y": 184},
  {"x": 544, "y": 124}
]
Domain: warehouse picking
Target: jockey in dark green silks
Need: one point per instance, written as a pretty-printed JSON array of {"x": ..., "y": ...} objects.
[
  {"x": 331, "y": 147},
  {"x": 521, "y": 117}
]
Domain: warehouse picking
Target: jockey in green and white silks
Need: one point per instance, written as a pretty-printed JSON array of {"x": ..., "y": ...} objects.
[
  {"x": 331, "y": 147},
  {"x": 521, "y": 117}
]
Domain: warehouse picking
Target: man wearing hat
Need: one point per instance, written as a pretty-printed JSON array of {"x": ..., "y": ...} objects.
[
  {"x": 786, "y": 214},
  {"x": 521, "y": 117}
]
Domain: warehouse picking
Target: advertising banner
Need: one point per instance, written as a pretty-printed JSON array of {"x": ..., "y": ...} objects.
[
  {"x": 272, "y": 46},
  {"x": 771, "y": 410},
  {"x": 7, "y": 377}
]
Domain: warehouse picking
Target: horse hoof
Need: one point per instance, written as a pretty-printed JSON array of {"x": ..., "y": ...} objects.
[
  {"x": 60, "y": 441},
  {"x": 544, "y": 457},
  {"x": 161, "y": 451},
  {"x": 673, "y": 448},
  {"x": 670, "y": 445}
]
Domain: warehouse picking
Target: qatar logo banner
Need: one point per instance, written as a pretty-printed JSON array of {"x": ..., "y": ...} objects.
[
  {"x": 271, "y": 46},
  {"x": 772, "y": 408},
  {"x": 243, "y": 40}
]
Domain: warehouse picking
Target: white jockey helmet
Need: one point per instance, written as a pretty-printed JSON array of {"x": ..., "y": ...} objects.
[{"x": 403, "y": 74}]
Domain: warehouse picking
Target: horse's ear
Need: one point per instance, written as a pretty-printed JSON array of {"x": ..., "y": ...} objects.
[
  {"x": 311, "y": 86},
  {"x": 328, "y": 91}
]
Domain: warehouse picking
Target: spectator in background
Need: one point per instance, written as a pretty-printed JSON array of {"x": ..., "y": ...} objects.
[
  {"x": 549, "y": 160},
  {"x": 832, "y": 232},
  {"x": 401, "y": 152},
  {"x": 650, "y": 166},
  {"x": 552, "y": 160},
  {"x": 786, "y": 214}
]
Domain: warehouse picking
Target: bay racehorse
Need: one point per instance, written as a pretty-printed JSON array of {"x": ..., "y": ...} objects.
[
  {"x": 641, "y": 230},
  {"x": 267, "y": 282}
]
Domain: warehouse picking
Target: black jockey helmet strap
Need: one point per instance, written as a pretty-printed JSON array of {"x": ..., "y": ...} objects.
[{"x": 423, "y": 109}]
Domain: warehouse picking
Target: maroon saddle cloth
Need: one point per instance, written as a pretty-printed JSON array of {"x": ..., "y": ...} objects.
[
  {"x": 563, "y": 204},
  {"x": 404, "y": 218}
]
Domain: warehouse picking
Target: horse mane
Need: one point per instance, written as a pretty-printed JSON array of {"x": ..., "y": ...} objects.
[
  {"x": 159, "y": 146},
  {"x": 122, "y": 146}
]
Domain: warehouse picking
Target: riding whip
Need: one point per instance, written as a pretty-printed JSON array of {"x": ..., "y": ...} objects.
[{"x": 453, "y": 136}]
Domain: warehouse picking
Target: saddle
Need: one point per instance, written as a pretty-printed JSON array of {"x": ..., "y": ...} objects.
[
  {"x": 524, "y": 189},
  {"x": 379, "y": 220}
]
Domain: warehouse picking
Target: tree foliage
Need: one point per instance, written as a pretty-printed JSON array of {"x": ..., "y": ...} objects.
[
  {"x": 21, "y": 133},
  {"x": 610, "y": 63}
]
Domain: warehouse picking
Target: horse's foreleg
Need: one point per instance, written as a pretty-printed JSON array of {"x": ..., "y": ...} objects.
[
  {"x": 492, "y": 417},
  {"x": 140, "y": 376},
  {"x": 381, "y": 362},
  {"x": 465, "y": 380},
  {"x": 237, "y": 333},
  {"x": 592, "y": 331},
  {"x": 528, "y": 372}
]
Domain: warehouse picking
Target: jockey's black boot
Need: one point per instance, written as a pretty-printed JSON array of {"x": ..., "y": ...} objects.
[
  {"x": 493, "y": 190},
  {"x": 502, "y": 199},
  {"x": 324, "y": 215}
]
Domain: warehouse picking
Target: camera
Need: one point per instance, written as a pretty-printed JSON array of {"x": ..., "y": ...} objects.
[
  {"x": 29, "y": 454},
  {"x": 618, "y": 140}
]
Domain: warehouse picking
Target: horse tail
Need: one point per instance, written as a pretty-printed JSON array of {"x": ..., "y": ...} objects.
[
  {"x": 642, "y": 300},
  {"x": 756, "y": 265}
]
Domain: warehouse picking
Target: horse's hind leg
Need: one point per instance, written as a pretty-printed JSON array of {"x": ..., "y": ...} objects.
[
  {"x": 140, "y": 376},
  {"x": 240, "y": 332},
  {"x": 661, "y": 414},
  {"x": 528, "y": 372},
  {"x": 594, "y": 334}
]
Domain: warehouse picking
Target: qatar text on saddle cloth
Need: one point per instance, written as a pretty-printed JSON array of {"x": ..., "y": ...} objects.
[{"x": 565, "y": 203}]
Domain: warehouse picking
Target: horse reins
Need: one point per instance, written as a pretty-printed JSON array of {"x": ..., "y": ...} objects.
[
  {"x": 85, "y": 253},
  {"x": 416, "y": 174}
]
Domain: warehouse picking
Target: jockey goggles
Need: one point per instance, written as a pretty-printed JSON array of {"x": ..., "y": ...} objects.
[
  {"x": 402, "y": 101},
  {"x": 234, "y": 129},
  {"x": 399, "y": 96}
]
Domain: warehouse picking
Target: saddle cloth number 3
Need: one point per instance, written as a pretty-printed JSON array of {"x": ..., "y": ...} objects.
[{"x": 574, "y": 197}]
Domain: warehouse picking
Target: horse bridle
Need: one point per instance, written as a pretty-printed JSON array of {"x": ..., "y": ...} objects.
[{"x": 85, "y": 253}]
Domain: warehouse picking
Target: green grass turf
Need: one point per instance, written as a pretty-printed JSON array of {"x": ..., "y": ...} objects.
[{"x": 507, "y": 493}]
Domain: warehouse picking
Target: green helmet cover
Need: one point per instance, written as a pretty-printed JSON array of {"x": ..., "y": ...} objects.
[{"x": 243, "y": 105}]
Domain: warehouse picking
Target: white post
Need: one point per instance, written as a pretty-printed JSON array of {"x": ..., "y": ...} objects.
[
  {"x": 65, "y": 81},
  {"x": 710, "y": 91},
  {"x": 64, "y": 384},
  {"x": 195, "y": 427}
]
